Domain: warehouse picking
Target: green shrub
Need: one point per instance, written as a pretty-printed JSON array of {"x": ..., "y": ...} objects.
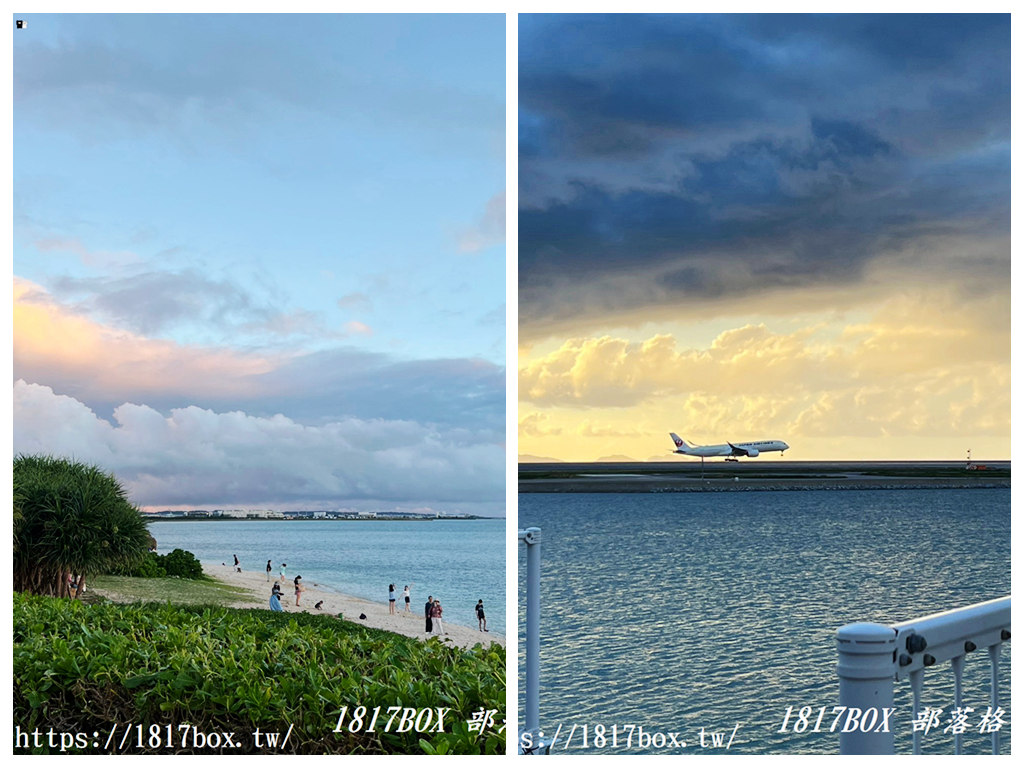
[
  {"x": 182, "y": 564},
  {"x": 148, "y": 567},
  {"x": 179, "y": 563},
  {"x": 85, "y": 668}
]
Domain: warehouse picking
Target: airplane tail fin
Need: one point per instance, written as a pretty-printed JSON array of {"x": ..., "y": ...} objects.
[{"x": 681, "y": 445}]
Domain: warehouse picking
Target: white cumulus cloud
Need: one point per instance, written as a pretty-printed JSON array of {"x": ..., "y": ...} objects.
[{"x": 196, "y": 456}]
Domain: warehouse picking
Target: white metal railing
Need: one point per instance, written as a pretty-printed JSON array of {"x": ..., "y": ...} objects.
[
  {"x": 873, "y": 656},
  {"x": 530, "y": 738}
]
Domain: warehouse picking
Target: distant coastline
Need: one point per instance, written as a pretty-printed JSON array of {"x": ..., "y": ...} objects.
[{"x": 155, "y": 516}]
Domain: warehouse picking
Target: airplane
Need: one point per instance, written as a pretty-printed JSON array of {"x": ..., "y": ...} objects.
[{"x": 727, "y": 449}]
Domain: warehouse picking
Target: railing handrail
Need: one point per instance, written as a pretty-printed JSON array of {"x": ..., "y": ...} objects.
[
  {"x": 945, "y": 634},
  {"x": 873, "y": 656}
]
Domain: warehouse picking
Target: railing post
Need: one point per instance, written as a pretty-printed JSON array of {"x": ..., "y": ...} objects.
[
  {"x": 531, "y": 537},
  {"x": 866, "y": 676},
  {"x": 993, "y": 656}
]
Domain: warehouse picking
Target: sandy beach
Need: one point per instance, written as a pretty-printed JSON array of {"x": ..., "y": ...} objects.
[{"x": 377, "y": 615}]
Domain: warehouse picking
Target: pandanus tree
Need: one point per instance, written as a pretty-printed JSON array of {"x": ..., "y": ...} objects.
[{"x": 70, "y": 519}]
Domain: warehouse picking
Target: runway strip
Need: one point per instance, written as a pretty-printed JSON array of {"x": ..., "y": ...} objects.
[{"x": 753, "y": 475}]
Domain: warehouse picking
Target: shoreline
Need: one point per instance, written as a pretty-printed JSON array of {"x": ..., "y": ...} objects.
[
  {"x": 158, "y": 517},
  {"x": 410, "y": 624}
]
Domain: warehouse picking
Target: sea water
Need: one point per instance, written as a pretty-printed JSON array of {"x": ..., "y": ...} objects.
[
  {"x": 677, "y": 612},
  {"x": 457, "y": 561}
]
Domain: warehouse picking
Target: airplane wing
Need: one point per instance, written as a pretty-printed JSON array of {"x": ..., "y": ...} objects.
[{"x": 740, "y": 451}]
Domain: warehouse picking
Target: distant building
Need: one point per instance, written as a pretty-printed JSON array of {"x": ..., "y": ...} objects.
[{"x": 247, "y": 514}]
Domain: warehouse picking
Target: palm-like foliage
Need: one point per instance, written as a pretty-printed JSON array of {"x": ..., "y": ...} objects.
[{"x": 70, "y": 518}]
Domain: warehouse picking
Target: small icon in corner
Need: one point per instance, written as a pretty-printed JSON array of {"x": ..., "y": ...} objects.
[{"x": 20, "y": 23}]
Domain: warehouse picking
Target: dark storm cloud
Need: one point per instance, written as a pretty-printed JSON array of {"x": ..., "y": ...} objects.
[{"x": 668, "y": 159}]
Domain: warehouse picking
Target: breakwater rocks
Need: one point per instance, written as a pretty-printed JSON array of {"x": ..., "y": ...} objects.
[
  {"x": 737, "y": 487},
  {"x": 644, "y": 485}
]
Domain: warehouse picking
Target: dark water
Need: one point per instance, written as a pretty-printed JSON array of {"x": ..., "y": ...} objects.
[{"x": 681, "y": 611}]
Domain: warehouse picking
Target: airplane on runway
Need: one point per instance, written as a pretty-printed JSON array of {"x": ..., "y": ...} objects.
[{"x": 727, "y": 449}]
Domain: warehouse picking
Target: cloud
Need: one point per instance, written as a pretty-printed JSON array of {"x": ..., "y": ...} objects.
[
  {"x": 356, "y": 301},
  {"x": 55, "y": 344},
  {"x": 226, "y": 79},
  {"x": 928, "y": 363},
  {"x": 536, "y": 425},
  {"x": 689, "y": 164},
  {"x": 590, "y": 428},
  {"x": 104, "y": 366},
  {"x": 156, "y": 302},
  {"x": 464, "y": 392},
  {"x": 488, "y": 230},
  {"x": 607, "y": 372},
  {"x": 90, "y": 258},
  {"x": 196, "y": 456},
  {"x": 355, "y": 328}
]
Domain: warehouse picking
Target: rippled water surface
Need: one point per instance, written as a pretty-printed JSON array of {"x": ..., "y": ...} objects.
[
  {"x": 683, "y": 611},
  {"x": 460, "y": 561}
]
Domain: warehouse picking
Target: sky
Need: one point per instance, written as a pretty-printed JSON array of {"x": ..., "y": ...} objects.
[
  {"x": 259, "y": 261},
  {"x": 755, "y": 227}
]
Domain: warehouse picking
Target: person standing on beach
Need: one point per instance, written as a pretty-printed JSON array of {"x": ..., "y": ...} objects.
[
  {"x": 298, "y": 589},
  {"x": 435, "y": 614},
  {"x": 481, "y": 620},
  {"x": 284, "y": 571},
  {"x": 405, "y": 594},
  {"x": 428, "y": 611},
  {"x": 391, "y": 599},
  {"x": 275, "y": 598},
  {"x": 237, "y": 566},
  {"x": 269, "y": 569}
]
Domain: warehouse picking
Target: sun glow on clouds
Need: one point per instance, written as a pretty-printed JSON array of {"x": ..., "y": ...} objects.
[
  {"x": 51, "y": 341},
  {"x": 929, "y": 366},
  {"x": 68, "y": 367}
]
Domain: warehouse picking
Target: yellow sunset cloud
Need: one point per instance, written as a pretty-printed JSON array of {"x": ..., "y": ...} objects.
[{"x": 927, "y": 366}]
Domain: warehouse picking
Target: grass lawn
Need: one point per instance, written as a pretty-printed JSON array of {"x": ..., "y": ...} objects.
[{"x": 199, "y": 591}]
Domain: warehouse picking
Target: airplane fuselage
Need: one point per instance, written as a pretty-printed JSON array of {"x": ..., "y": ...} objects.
[{"x": 751, "y": 449}]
